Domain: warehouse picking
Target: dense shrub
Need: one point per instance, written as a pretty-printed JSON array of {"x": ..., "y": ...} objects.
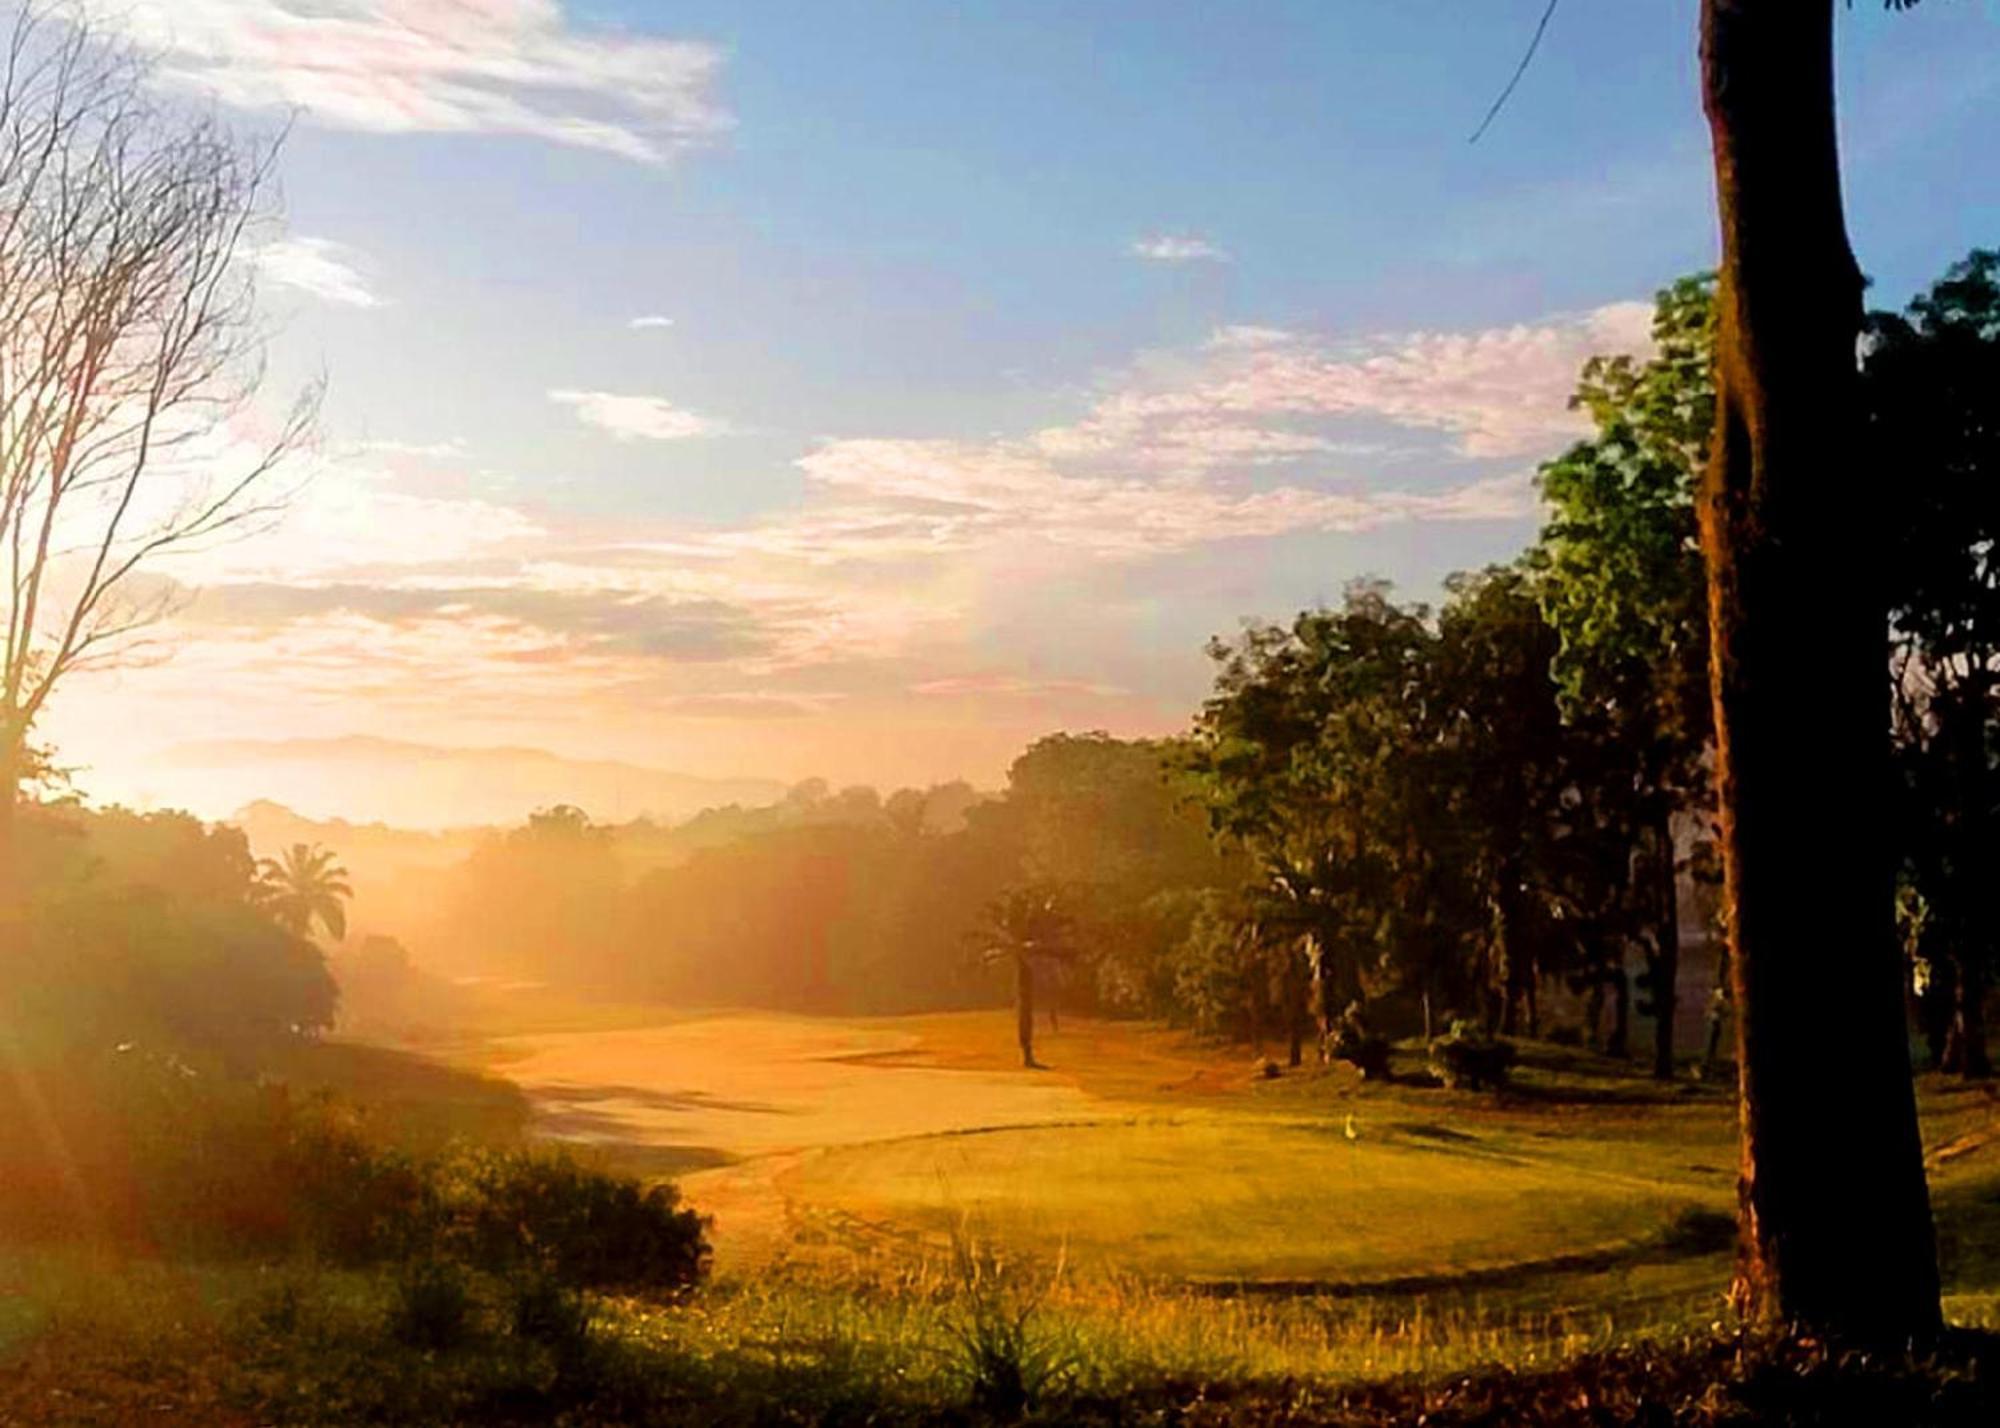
[
  {"x": 432, "y": 1308},
  {"x": 543, "y": 1309},
  {"x": 508, "y": 1209},
  {"x": 1467, "y": 1059},
  {"x": 161, "y": 1151},
  {"x": 1355, "y": 1044}
]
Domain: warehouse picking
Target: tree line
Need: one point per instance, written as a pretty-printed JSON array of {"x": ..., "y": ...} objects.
[{"x": 1386, "y": 812}]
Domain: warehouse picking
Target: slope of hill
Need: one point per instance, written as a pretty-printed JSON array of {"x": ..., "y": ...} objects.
[{"x": 413, "y": 785}]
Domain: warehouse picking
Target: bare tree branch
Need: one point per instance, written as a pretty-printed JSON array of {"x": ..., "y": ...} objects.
[{"x": 130, "y": 353}]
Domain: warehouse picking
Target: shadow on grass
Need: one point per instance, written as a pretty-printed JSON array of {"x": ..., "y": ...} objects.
[
  {"x": 1692, "y": 1234},
  {"x": 412, "y": 1098}
]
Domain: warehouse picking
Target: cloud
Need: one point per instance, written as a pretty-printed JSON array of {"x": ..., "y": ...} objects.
[
  {"x": 447, "y": 450},
  {"x": 913, "y": 498},
  {"x": 1178, "y": 248},
  {"x": 1012, "y": 686},
  {"x": 652, "y": 322},
  {"x": 1495, "y": 393},
  {"x": 438, "y": 66},
  {"x": 632, "y": 418},
  {"x": 906, "y": 574},
  {"x": 742, "y": 706},
  {"x": 573, "y": 621},
  {"x": 317, "y": 266}
]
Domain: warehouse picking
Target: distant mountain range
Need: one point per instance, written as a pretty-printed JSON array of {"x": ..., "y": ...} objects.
[{"x": 412, "y": 785}]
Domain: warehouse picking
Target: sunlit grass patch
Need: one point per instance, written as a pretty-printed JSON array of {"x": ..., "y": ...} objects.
[{"x": 1226, "y": 1198}]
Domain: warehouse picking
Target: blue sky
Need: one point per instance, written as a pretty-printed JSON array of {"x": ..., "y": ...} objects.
[{"x": 1009, "y": 350}]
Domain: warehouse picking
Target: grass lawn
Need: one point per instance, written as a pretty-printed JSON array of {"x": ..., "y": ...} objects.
[
  {"x": 824, "y": 1143},
  {"x": 1151, "y": 1217},
  {"x": 1215, "y": 1196}
]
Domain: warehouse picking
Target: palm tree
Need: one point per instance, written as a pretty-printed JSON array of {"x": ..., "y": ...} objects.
[
  {"x": 1027, "y": 927},
  {"x": 304, "y": 887}
]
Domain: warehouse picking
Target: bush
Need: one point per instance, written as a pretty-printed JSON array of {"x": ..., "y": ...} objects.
[
  {"x": 1467, "y": 1059},
  {"x": 432, "y": 1308},
  {"x": 170, "y": 1154},
  {"x": 544, "y": 1210},
  {"x": 543, "y": 1309},
  {"x": 1359, "y": 1047}
]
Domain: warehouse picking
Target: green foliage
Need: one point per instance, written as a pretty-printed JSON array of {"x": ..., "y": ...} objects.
[
  {"x": 1619, "y": 557},
  {"x": 432, "y": 1309},
  {"x": 304, "y": 888},
  {"x": 543, "y": 1308},
  {"x": 1928, "y": 379},
  {"x": 1224, "y": 977},
  {"x": 543, "y": 1211},
  {"x": 1465, "y": 1058},
  {"x": 1114, "y": 823},
  {"x": 1361, "y": 1048},
  {"x": 1004, "y": 1351},
  {"x": 1301, "y": 758},
  {"x": 149, "y": 928},
  {"x": 163, "y": 1151}
]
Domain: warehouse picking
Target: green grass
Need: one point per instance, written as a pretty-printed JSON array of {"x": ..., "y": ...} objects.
[
  {"x": 1217, "y": 1196},
  {"x": 411, "y": 1099},
  {"x": 1194, "y": 1233}
]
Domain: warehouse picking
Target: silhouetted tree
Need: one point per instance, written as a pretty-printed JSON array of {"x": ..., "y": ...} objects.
[
  {"x": 304, "y": 886},
  {"x": 1028, "y": 930},
  {"x": 1797, "y": 626},
  {"x": 1930, "y": 378}
]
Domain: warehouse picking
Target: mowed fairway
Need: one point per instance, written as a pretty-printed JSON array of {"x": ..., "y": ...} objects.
[
  {"x": 1137, "y": 1153},
  {"x": 1220, "y": 1197}
]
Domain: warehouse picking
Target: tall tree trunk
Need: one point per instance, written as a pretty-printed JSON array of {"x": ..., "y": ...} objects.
[
  {"x": 1619, "y": 1044},
  {"x": 1966, "y": 1041},
  {"x": 1325, "y": 992},
  {"x": 1666, "y": 968},
  {"x": 1798, "y": 669},
  {"x": 1295, "y": 1007},
  {"x": 1513, "y": 964},
  {"x": 1024, "y": 1008}
]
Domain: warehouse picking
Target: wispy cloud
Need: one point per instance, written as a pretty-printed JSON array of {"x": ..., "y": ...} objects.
[
  {"x": 439, "y": 66},
  {"x": 400, "y": 593},
  {"x": 1497, "y": 392},
  {"x": 652, "y": 322},
  {"x": 447, "y": 450},
  {"x": 1179, "y": 248},
  {"x": 636, "y": 418},
  {"x": 318, "y": 266},
  {"x": 1012, "y": 686}
]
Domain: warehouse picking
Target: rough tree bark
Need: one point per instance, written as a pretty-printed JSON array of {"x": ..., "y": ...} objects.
[{"x": 1836, "y": 1231}]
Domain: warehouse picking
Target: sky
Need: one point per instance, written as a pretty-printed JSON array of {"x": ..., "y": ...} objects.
[{"x": 863, "y": 390}]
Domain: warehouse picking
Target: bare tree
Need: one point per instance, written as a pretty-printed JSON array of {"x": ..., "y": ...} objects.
[{"x": 129, "y": 356}]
